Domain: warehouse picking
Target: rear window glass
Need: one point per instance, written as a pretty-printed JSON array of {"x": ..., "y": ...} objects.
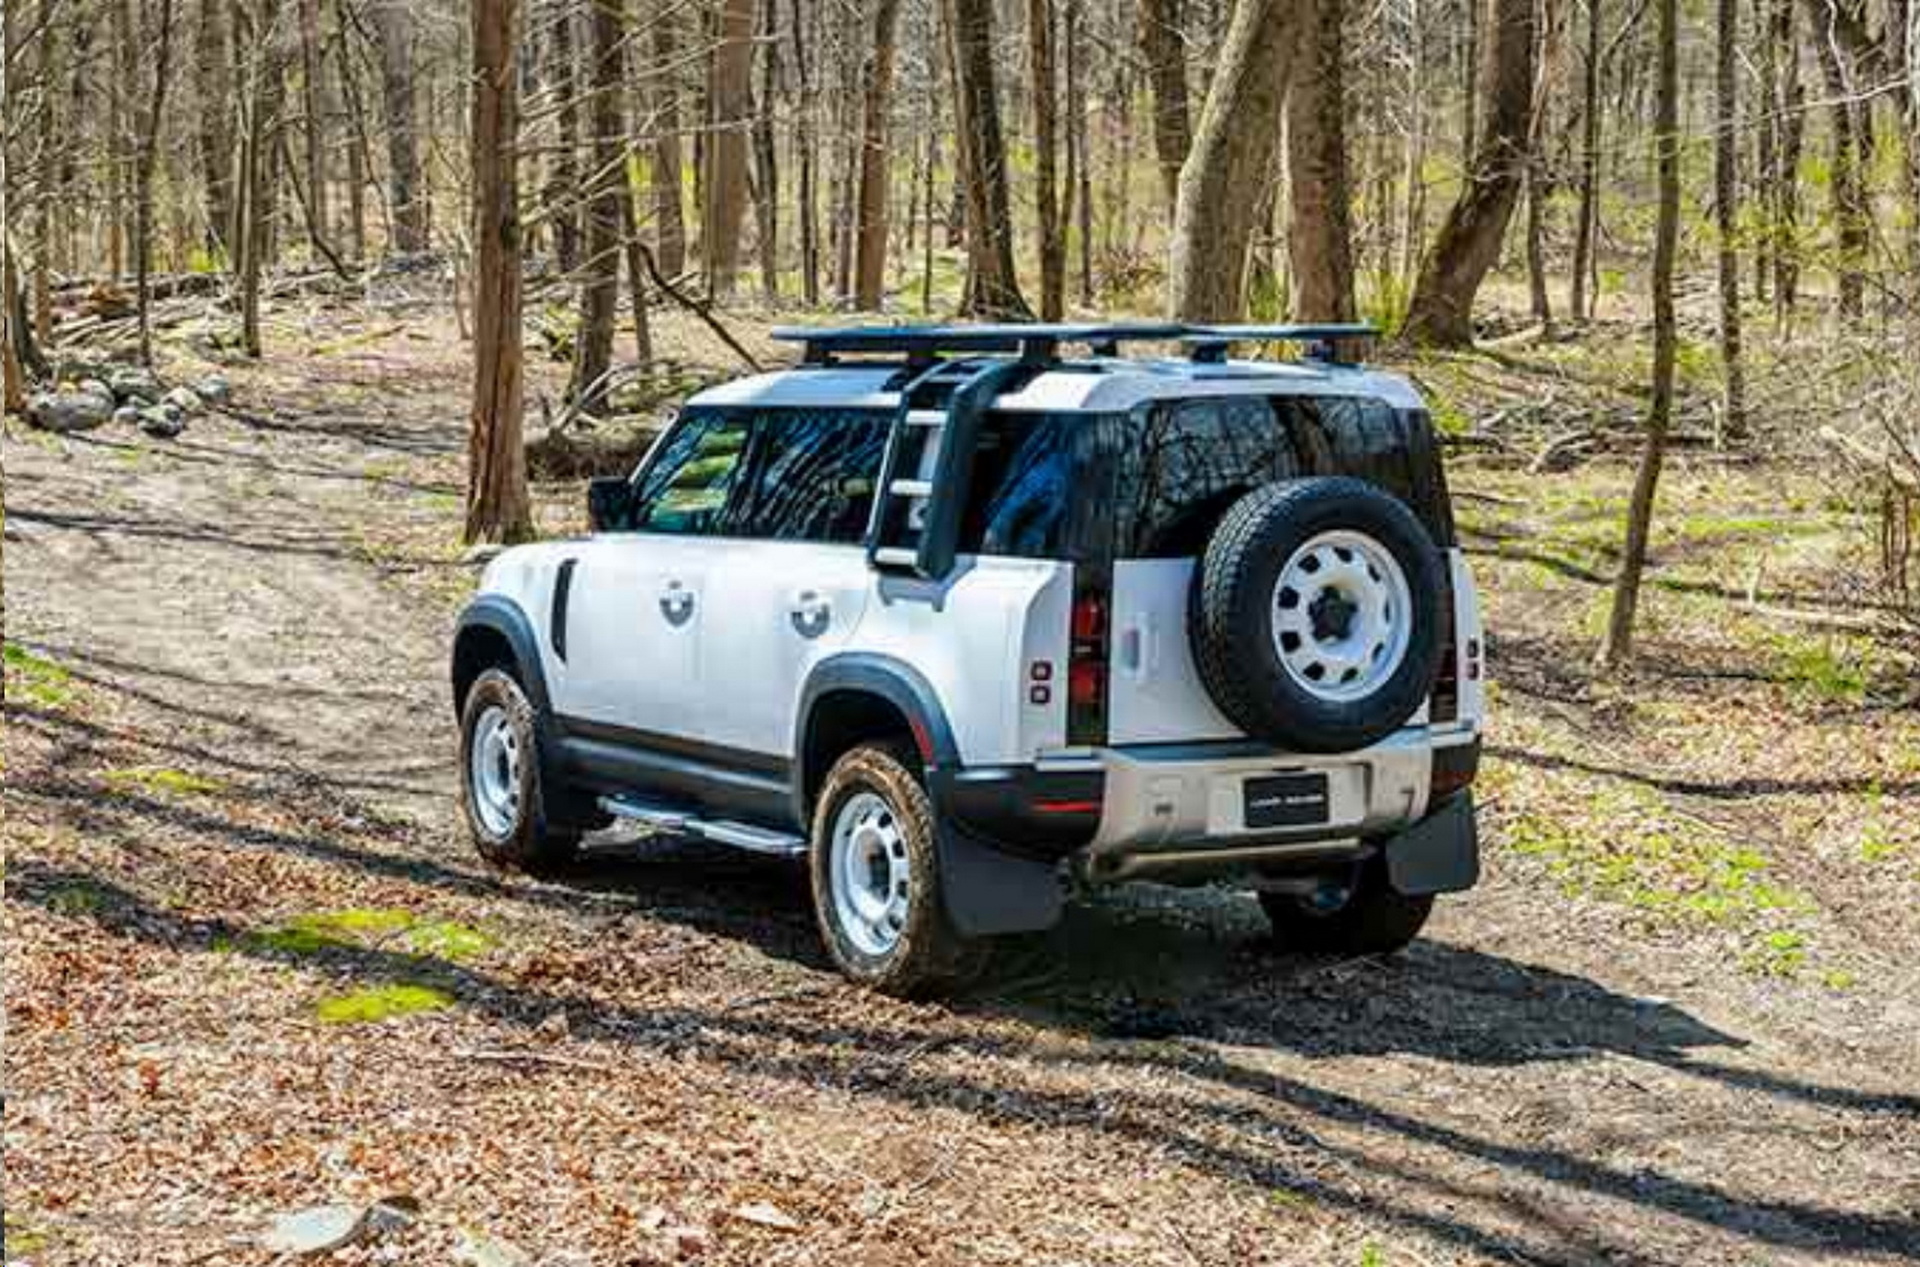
[{"x": 1042, "y": 486}]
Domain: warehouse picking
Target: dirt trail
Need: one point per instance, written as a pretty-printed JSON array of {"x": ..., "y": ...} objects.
[{"x": 635, "y": 1063}]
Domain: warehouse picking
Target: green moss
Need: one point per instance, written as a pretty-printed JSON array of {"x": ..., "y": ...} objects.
[
  {"x": 362, "y": 927},
  {"x": 1837, "y": 669},
  {"x": 380, "y": 1003},
  {"x": 35, "y": 679},
  {"x": 164, "y": 781},
  {"x": 75, "y": 899}
]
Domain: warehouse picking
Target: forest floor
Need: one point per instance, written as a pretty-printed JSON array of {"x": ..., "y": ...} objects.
[{"x": 252, "y": 965}]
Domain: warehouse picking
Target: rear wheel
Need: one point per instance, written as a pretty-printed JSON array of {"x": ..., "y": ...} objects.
[
  {"x": 1352, "y": 912},
  {"x": 502, "y": 794},
  {"x": 876, "y": 878}
]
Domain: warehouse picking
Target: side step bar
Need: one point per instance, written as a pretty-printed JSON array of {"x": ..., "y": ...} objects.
[{"x": 723, "y": 831}]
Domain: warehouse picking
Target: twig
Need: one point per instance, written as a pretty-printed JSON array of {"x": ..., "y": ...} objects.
[
  {"x": 511, "y": 1056},
  {"x": 698, "y": 309}
]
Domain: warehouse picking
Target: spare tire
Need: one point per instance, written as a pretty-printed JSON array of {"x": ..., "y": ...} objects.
[{"x": 1316, "y": 614}]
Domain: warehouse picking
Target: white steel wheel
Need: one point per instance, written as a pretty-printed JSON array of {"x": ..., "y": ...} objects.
[
  {"x": 871, "y": 870},
  {"x": 1342, "y": 616},
  {"x": 493, "y": 772}
]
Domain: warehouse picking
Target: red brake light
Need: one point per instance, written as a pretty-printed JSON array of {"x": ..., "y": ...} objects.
[
  {"x": 1087, "y": 684},
  {"x": 1089, "y": 619}
]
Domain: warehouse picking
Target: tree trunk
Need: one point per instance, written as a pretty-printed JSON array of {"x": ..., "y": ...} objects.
[
  {"x": 394, "y": 22},
  {"x": 1726, "y": 184},
  {"x": 804, "y": 146},
  {"x": 13, "y": 379},
  {"x": 870, "y": 247},
  {"x": 669, "y": 218},
  {"x": 1163, "y": 46},
  {"x": 1231, "y": 165},
  {"x": 729, "y": 102},
  {"x": 152, "y": 118},
  {"x": 498, "y": 508},
  {"x": 313, "y": 98},
  {"x": 357, "y": 148},
  {"x": 260, "y": 106},
  {"x": 766, "y": 162},
  {"x": 1840, "y": 57},
  {"x": 1785, "y": 228},
  {"x": 1082, "y": 177},
  {"x": 562, "y": 195},
  {"x": 216, "y": 116},
  {"x": 1469, "y": 241},
  {"x": 1046, "y": 146},
  {"x": 1320, "y": 231},
  {"x": 606, "y": 188},
  {"x": 1617, "y": 649},
  {"x": 992, "y": 287}
]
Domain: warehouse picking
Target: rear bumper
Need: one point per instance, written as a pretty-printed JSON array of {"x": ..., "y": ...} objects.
[{"x": 1171, "y": 808}]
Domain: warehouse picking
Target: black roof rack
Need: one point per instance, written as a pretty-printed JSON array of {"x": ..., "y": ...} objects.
[
  {"x": 1034, "y": 341},
  {"x": 1037, "y": 341},
  {"x": 1210, "y": 343}
]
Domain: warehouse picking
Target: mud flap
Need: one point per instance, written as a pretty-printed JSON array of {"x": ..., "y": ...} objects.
[
  {"x": 989, "y": 891},
  {"x": 1440, "y": 854}
]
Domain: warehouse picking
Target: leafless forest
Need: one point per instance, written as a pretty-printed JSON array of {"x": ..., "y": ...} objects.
[{"x": 307, "y": 304}]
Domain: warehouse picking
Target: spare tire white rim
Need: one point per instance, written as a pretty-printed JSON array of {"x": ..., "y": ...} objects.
[
  {"x": 1342, "y": 616},
  {"x": 871, "y": 872}
]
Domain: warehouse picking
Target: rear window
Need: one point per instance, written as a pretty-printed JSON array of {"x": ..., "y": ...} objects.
[{"x": 1186, "y": 462}]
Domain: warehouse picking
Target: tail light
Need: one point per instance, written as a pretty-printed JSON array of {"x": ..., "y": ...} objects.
[{"x": 1087, "y": 671}]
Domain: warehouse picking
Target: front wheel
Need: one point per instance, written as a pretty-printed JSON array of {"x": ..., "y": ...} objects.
[
  {"x": 502, "y": 795},
  {"x": 1352, "y": 912},
  {"x": 876, "y": 879}
]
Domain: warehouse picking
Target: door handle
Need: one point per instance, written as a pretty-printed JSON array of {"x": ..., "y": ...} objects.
[
  {"x": 676, "y": 603},
  {"x": 811, "y": 614}
]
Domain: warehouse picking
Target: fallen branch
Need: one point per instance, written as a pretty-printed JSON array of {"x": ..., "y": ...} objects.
[{"x": 698, "y": 309}]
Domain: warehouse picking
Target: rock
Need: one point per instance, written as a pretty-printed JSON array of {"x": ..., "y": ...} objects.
[
  {"x": 73, "y": 369},
  {"x": 766, "y": 1214},
  {"x": 185, "y": 399},
  {"x": 130, "y": 382},
  {"x": 477, "y": 1249},
  {"x": 319, "y": 1229},
  {"x": 95, "y": 387},
  {"x": 65, "y": 411},
  {"x": 162, "y": 422},
  {"x": 553, "y": 1028},
  {"x": 214, "y": 389},
  {"x": 127, "y": 416}
]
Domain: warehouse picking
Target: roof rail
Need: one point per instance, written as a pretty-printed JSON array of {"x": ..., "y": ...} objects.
[
  {"x": 1034, "y": 341},
  {"x": 1210, "y": 343}
]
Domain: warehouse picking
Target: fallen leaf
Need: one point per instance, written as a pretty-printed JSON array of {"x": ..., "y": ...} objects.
[{"x": 763, "y": 1214}]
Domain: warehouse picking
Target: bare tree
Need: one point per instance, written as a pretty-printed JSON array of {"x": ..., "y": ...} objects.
[
  {"x": 992, "y": 288},
  {"x": 1726, "y": 185},
  {"x": 870, "y": 230},
  {"x": 1163, "y": 45},
  {"x": 606, "y": 189},
  {"x": 153, "y": 113},
  {"x": 498, "y": 507},
  {"x": 1584, "y": 226},
  {"x": 214, "y": 84},
  {"x": 1617, "y": 649},
  {"x": 1046, "y": 145},
  {"x": 1320, "y": 232},
  {"x": 313, "y": 97},
  {"x": 1441, "y": 311},
  {"x": 729, "y": 101},
  {"x": 1231, "y": 163},
  {"x": 393, "y": 20},
  {"x": 13, "y": 379},
  {"x": 669, "y": 219}
]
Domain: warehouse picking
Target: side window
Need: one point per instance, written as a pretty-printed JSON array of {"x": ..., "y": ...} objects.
[
  {"x": 813, "y": 474},
  {"x": 686, "y": 489},
  {"x": 1040, "y": 486}
]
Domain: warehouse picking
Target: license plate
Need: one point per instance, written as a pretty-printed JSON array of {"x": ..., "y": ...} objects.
[{"x": 1285, "y": 800}]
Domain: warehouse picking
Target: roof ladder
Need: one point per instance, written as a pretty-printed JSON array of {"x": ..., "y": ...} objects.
[{"x": 929, "y": 462}]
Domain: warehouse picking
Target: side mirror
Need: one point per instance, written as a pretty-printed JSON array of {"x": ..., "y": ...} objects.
[{"x": 610, "y": 504}]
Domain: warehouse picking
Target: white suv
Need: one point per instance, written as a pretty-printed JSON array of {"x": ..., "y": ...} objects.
[{"x": 966, "y": 622}]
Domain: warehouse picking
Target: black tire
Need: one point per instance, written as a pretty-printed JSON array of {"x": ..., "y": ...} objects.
[
  {"x": 925, "y": 954},
  {"x": 1356, "y": 912},
  {"x": 1236, "y": 648},
  {"x": 530, "y": 838}
]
